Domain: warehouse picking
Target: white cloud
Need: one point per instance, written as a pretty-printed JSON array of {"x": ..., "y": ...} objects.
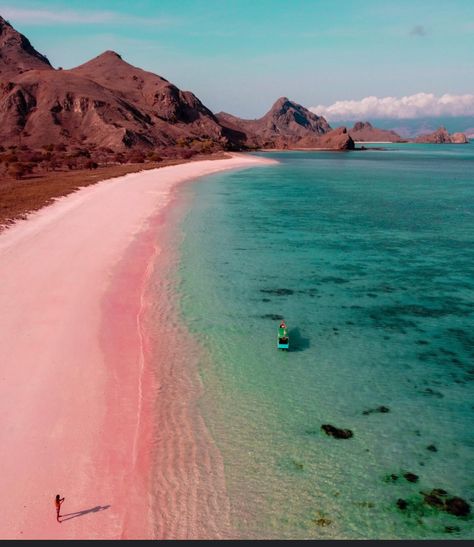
[
  {"x": 68, "y": 17},
  {"x": 412, "y": 106}
]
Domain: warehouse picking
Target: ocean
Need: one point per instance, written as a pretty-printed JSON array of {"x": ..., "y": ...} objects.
[{"x": 369, "y": 258}]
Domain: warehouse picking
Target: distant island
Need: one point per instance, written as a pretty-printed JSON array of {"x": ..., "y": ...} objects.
[
  {"x": 441, "y": 136},
  {"x": 365, "y": 132}
]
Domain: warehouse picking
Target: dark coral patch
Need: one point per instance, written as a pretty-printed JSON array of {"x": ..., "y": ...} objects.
[
  {"x": 411, "y": 477},
  {"x": 278, "y": 292},
  {"x": 273, "y": 316},
  {"x": 336, "y": 432},
  {"x": 333, "y": 279},
  {"x": 434, "y": 501},
  {"x": 402, "y": 504},
  {"x": 453, "y": 505},
  {"x": 458, "y": 507},
  {"x": 382, "y": 409},
  {"x": 429, "y": 391}
]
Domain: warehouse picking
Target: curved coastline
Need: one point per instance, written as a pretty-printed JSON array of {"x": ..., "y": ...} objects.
[
  {"x": 175, "y": 462},
  {"x": 74, "y": 277}
]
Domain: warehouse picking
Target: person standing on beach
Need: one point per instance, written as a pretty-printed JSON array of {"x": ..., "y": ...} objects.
[{"x": 57, "y": 502}]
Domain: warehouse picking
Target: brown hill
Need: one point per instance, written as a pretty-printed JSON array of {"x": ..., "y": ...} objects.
[
  {"x": 52, "y": 107},
  {"x": 286, "y": 125},
  {"x": 442, "y": 136},
  {"x": 75, "y": 106},
  {"x": 366, "y": 132},
  {"x": 17, "y": 54},
  {"x": 111, "y": 105},
  {"x": 105, "y": 102},
  {"x": 156, "y": 97}
]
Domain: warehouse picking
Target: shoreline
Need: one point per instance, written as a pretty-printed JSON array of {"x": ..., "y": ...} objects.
[
  {"x": 304, "y": 150},
  {"x": 188, "y": 495},
  {"x": 74, "y": 276},
  {"x": 20, "y": 198}
]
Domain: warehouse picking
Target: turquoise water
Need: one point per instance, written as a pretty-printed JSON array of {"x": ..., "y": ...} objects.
[{"x": 369, "y": 257}]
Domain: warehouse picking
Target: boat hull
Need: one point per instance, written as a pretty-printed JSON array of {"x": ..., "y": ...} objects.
[{"x": 283, "y": 344}]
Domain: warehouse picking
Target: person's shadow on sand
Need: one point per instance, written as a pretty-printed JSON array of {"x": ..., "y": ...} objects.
[{"x": 84, "y": 512}]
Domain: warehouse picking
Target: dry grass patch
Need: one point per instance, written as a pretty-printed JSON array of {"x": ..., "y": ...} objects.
[{"x": 20, "y": 197}]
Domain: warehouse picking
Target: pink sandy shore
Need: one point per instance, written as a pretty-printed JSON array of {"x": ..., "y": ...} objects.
[{"x": 76, "y": 394}]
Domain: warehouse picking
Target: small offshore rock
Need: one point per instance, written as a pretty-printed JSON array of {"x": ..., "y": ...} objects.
[
  {"x": 411, "y": 477},
  {"x": 434, "y": 501},
  {"x": 453, "y": 505},
  {"x": 402, "y": 504},
  {"x": 457, "y": 506},
  {"x": 336, "y": 432},
  {"x": 390, "y": 478},
  {"x": 432, "y": 448}
]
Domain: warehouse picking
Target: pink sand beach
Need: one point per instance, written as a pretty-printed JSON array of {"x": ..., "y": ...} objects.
[{"x": 84, "y": 415}]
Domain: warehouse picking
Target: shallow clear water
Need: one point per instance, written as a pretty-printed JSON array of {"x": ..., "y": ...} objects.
[{"x": 369, "y": 257}]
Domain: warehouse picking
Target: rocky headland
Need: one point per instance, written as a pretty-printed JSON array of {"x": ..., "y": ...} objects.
[
  {"x": 366, "y": 132},
  {"x": 286, "y": 125}
]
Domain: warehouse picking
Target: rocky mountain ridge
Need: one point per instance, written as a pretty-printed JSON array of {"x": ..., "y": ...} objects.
[
  {"x": 105, "y": 102},
  {"x": 17, "y": 54},
  {"x": 109, "y": 104},
  {"x": 286, "y": 125}
]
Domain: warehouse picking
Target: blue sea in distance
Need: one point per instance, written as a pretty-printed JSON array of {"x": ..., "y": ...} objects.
[{"x": 369, "y": 257}]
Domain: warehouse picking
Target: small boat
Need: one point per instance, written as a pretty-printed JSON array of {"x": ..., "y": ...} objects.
[{"x": 283, "y": 338}]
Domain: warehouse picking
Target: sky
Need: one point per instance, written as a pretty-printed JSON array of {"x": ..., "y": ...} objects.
[{"x": 368, "y": 56}]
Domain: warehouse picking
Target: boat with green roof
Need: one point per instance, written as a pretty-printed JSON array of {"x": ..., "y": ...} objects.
[{"x": 283, "y": 337}]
